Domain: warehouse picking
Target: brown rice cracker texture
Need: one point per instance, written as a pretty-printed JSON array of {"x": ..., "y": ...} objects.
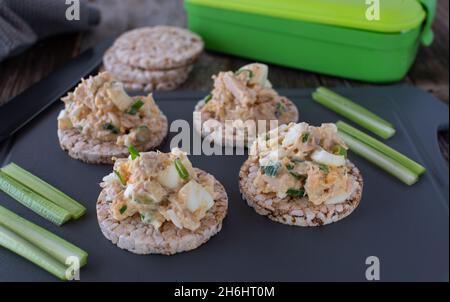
[
  {"x": 158, "y": 48},
  {"x": 93, "y": 151},
  {"x": 299, "y": 212},
  {"x": 158, "y": 84},
  {"x": 214, "y": 134},
  {"x": 149, "y": 79},
  {"x": 132, "y": 235}
]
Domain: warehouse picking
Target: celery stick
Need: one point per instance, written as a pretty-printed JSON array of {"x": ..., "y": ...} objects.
[
  {"x": 46, "y": 190},
  {"x": 53, "y": 245},
  {"x": 379, "y": 159},
  {"x": 18, "y": 245},
  {"x": 374, "y": 143},
  {"x": 33, "y": 201},
  {"x": 356, "y": 113},
  {"x": 347, "y": 102}
]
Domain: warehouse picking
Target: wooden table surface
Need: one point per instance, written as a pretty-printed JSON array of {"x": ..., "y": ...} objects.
[{"x": 430, "y": 71}]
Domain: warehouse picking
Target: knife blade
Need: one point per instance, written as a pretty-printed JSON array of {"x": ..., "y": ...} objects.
[{"x": 20, "y": 110}]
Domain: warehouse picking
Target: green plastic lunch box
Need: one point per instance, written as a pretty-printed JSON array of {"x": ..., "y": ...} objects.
[{"x": 369, "y": 40}]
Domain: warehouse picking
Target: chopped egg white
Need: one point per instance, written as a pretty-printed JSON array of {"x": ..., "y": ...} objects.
[
  {"x": 170, "y": 177},
  {"x": 195, "y": 196},
  {"x": 325, "y": 158},
  {"x": 340, "y": 198},
  {"x": 118, "y": 96}
]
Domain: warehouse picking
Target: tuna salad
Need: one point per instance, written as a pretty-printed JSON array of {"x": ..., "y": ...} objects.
[
  {"x": 246, "y": 95},
  {"x": 159, "y": 187},
  {"x": 302, "y": 161},
  {"x": 99, "y": 109}
]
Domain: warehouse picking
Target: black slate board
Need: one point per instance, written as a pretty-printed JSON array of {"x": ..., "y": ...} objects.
[{"x": 406, "y": 227}]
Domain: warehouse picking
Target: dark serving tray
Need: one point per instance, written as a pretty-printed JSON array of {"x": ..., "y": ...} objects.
[{"x": 407, "y": 228}]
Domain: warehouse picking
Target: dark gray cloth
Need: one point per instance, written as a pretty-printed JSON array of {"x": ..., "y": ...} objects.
[{"x": 23, "y": 22}]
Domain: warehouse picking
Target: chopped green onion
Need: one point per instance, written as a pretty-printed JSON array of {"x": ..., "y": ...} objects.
[
  {"x": 280, "y": 109},
  {"x": 122, "y": 180},
  {"x": 305, "y": 137},
  {"x": 208, "y": 98},
  {"x": 324, "y": 169},
  {"x": 123, "y": 209},
  {"x": 146, "y": 218},
  {"x": 339, "y": 150},
  {"x": 44, "y": 189},
  {"x": 80, "y": 128},
  {"x": 135, "y": 107},
  {"x": 294, "y": 174},
  {"x": 48, "y": 242},
  {"x": 271, "y": 170},
  {"x": 11, "y": 241},
  {"x": 133, "y": 152},
  {"x": 381, "y": 160},
  {"x": 143, "y": 134},
  {"x": 374, "y": 143},
  {"x": 110, "y": 127},
  {"x": 297, "y": 175},
  {"x": 298, "y": 160},
  {"x": 143, "y": 200},
  {"x": 354, "y": 112},
  {"x": 250, "y": 73},
  {"x": 181, "y": 169},
  {"x": 35, "y": 202},
  {"x": 296, "y": 192}
]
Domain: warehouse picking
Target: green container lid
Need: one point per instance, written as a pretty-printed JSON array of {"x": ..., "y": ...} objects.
[
  {"x": 396, "y": 15},
  {"x": 335, "y": 37}
]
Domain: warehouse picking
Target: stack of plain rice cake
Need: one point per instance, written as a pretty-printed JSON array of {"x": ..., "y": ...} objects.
[{"x": 153, "y": 58}]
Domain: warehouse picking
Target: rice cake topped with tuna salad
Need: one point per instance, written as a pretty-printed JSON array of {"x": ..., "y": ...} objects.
[
  {"x": 299, "y": 175},
  {"x": 241, "y": 97},
  {"x": 157, "y": 203},
  {"x": 101, "y": 121}
]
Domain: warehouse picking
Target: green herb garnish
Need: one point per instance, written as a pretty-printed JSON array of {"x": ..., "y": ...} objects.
[
  {"x": 122, "y": 180},
  {"x": 272, "y": 170},
  {"x": 339, "y": 150},
  {"x": 296, "y": 192},
  {"x": 250, "y": 73},
  {"x": 297, "y": 175},
  {"x": 80, "y": 128},
  {"x": 298, "y": 160},
  {"x": 290, "y": 167},
  {"x": 181, "y": 169},
  {"x": 133, "y": 152},
  {"x": 123, "y": 209},
  {"x": 135, "y": 107},
  {"x": 280, "y": 109},
  {"x": 324, "y": 168},
  {"x": 110, "y": 127},
  {"x": 305, "y": 137},
  {"x": 208, "y": 98},
  {"x": 146, "y": 218}
]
